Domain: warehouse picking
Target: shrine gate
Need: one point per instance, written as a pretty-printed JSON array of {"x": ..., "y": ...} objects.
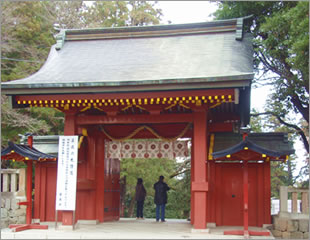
[{"x": 168, "y": 81}]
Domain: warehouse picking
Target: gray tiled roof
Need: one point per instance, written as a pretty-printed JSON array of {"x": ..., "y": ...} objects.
[
  {"x": 273, "y": 141},
  {"x": 173, "y": 59}
]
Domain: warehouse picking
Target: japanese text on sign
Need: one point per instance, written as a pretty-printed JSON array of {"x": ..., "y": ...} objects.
[{"x": 67, "y": 172}]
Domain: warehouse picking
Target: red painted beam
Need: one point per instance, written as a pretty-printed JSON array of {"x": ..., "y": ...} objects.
[
  {"x": 164, "y": 130},
  {"x": 23, "y": 203},
  {"x": 132, "y": 95},
  {"x": 220, "y": 127},
  {"x": 22, "y": 227},
  {"x": 137, "y": 119}
]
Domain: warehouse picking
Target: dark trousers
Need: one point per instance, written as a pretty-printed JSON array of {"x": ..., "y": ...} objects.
[
  {"x": 160, "y": 210},
  {"x": 140, "y": 209}
]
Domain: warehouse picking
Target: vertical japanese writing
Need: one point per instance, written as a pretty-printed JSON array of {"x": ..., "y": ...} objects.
[{"x": 66, "y": 173}]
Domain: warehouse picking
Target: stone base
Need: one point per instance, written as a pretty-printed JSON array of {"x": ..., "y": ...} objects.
[
  {"x": 35, "y": 220},
  {"x": 290, "y": 228},
  {"x": 88, "y": 222},
  {"x": 293, "y": 216},
  {"x": 267, "y": 226},
  {"x": 211, "y": 225},
  {"x": 206, "y": 230},
  {"x": 66, "y": 227}
]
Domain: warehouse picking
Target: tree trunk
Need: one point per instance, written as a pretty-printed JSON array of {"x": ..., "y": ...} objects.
[{"x": 131, "y": 207}]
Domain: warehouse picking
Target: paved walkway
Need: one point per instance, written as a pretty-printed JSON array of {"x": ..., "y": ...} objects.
[{"x": 127, "y": 228}]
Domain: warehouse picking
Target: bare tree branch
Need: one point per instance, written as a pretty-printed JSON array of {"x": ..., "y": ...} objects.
[
  {"x": 297, "y": 129},
  {"x": 181, "y": 169}
]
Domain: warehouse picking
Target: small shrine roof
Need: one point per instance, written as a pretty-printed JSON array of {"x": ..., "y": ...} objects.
[
  {"x": 20, "y": 152},
  {"x": 270, "y": 144},
  {"x": 203, "y": 55}
]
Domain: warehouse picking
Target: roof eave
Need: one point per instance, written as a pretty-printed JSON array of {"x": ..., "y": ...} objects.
[{"x": 243, "y": 80}]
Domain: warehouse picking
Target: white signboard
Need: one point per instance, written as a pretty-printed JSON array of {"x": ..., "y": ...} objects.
[{"x": 67, "y": 172}]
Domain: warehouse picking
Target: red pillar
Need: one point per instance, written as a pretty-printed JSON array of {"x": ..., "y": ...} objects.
[
  {"x": 100, "y": 179},
  {"x": 192, "y": 180},
  {"x": 69, "y": 130},
  {"x": 29, "y": 192},
  {"x": 267, "y": 193},
  {"x": 245, "y": 199},
  {"x": 200, "y": 184},
  {"x": 29, "y": 185}
]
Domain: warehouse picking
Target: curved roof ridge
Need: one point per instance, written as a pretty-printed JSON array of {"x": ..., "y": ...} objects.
[
  {"x": 160, "y": 30},
  {"x": 246, "y": 144},
  {"x": 26, "y": 151},
  {"x": 177, "y": 25}
]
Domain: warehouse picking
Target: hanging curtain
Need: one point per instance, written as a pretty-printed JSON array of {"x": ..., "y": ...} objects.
[{"x": 146, "y": 149}]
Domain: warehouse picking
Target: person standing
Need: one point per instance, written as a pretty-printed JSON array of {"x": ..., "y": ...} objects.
[
  {"x": 140, "y": 197},
  {"x": 160, "y": 198}
]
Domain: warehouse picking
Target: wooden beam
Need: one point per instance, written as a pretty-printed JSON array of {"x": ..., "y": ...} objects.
[{"x": 129, "y": 119}]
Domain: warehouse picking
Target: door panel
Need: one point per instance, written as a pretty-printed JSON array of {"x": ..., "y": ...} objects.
[
  {"x": 232, "y": 195},
  {"x": 111, "y": 189}
]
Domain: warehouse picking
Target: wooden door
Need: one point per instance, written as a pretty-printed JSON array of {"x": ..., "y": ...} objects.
[
  {"x": 111, "y": 189},
  {"x": 232, "y": 195}
]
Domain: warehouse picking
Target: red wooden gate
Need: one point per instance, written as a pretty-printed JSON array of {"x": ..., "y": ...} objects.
[{"x": 111, "y": 189}]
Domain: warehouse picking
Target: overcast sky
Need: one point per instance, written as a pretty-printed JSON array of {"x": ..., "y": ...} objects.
[{"x": 187, "y": 11}]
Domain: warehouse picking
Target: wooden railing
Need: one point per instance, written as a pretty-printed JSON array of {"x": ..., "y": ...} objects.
[
  {"x": 13, "y": 183},
  {"x": 296, "y": 193}
]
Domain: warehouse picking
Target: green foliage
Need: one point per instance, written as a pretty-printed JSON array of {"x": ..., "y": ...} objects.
[
  {"x": 256, "y": 123},
  {"x": 178, "y": 205},
  {"x": 27, "y": 34},
  {"x": 278, "y": 178},
  {"x": 68, "y": 14},
  {"x": 76, "y": 14},
  {"x": 43, "y": 121},
  {"x": 143, "y": 13},
  {"x": 107, "y": 14},
  {"x": 287, "y": 45}
]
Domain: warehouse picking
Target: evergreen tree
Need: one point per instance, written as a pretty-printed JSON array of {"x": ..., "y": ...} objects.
[
  {"x": 27, "y": 34},
  {"x": 143, "y": 13}
]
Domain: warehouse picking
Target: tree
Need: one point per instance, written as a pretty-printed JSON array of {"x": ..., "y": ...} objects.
[
  {"x": 69, "y": 14},
  {"x": 107, "y": 14},
  {"x": 27, "y": 34},
  {"x": 26, "y": 37},
  {"x": 143, "y": 13},
  {"x": 281, "y": 40}
]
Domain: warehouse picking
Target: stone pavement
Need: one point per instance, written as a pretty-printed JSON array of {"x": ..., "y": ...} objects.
[{"x": 127, "y": 228}]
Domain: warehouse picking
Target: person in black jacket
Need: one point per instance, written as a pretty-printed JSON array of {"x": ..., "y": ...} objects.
[
  {"x": 160, "y": 199},
  {"x": 140, "y": 197}
]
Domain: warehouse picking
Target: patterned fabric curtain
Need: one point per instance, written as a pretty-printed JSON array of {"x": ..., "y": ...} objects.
[{"x": 146, "y": 149}]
